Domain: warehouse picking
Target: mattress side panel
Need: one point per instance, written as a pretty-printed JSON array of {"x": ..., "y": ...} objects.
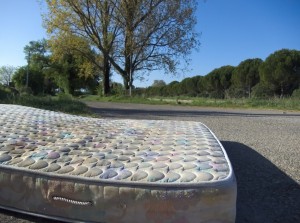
[{"x": 92, "y": 202}]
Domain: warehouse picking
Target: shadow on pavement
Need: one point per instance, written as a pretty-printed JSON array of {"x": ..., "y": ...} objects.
[
  {"x": 12, "y": 216},
  {"x": 265, "y": 193}
]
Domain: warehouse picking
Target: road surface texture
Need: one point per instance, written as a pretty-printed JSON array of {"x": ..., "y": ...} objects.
[{"x": 263, "y": 147}]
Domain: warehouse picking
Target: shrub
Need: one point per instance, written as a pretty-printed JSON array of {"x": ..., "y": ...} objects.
[
  {"x": 25, "y": 90},
  {"x": 64, "y": 96},
  {"x": 296, "y": 94},
  {"x": 262, "y": 91},
  {"x": 3, "y": 93}
]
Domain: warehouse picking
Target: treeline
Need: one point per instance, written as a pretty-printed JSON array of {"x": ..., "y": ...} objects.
[
  {"x": 50, "y": 72},
  {"x": 278, "y": 75}
]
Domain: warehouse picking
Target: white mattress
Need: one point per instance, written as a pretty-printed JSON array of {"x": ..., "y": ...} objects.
[{"x": 83, "y": 169}]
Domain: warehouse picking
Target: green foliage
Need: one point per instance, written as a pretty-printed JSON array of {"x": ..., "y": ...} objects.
[
  {"x": 281, "y": 71},
  {"x": 270, "y": 103},
  {"x": 246, "y": 76},
  {"x": 70, "y": 72},
  {"x": 66, "y": 74},
  {"x": 4, "y": 93},
  {"x": 296, "y": 94},
  {"x": 64, "y": 97},
  {"x": 158, "y": 83},
  {"x": 117, "y": 89},
  {"x": 6, "y": 74},
  {"x": 193, "y": 86},
  {"x": 239, "y": 82},
  {"x": 99, "y": 90},
  {"x": 71, "y": 69},
  {"x": 130, "y": 36},
  {"x": 219, "y": 81},
  {"x": 62, "y": 104},
  {"x": 35, "y": 84},
  {"x": 37, "y": 55},
  {"x": 262, "y": 90}
]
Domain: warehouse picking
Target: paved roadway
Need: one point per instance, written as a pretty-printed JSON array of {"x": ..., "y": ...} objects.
[{"x": 263, "y": 146}]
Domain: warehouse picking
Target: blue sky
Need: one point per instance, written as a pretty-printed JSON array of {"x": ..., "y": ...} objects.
[{"x": 231, "y": 31}]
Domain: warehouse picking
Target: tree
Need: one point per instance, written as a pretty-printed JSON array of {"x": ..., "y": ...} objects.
[
  {"x": 281, "y": 71},
  {"x": 72, "y": 65},
  {"x": 90, "y": 20},
  {"x": 35, "y": 85},
  {"x": 246, "y": 75},
  {"x": 157, "y": 33},
  {"x": 129, "y": 35},
  {"x": 69, "y": 75},
  {"x": 189, "y": 86},
  {"x": 173, "y": 88},
  {"x": 219, "y": 80},
  {"x": 37, "y": 54},
  {"x": 35, "y": 74},
  {"x": 159, "y": 83},
  {"x": 6, "y": 74}
]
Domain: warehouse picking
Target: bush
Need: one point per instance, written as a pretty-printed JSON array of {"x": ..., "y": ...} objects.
[
  {"x": 7, "y": 94},
  {"x": 25, "y": 90},
  {"x": 64, "y": 96},
  {"x": 233, "y": 92},
  {"x": 4, "y": 94},
  {"x": 262, "y": 91},
  {"x": 296, "y": 94},
  {"x": 62, "y": 103}
]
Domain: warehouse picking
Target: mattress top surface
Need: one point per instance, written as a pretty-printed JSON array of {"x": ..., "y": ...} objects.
[{"x": 108, "y": 150}]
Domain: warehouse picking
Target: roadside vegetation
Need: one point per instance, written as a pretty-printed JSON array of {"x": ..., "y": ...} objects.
[
  {"x": 61, "y": 103},
  {"x": 248, "y": 85},
  {"x": 90, "y": 40},
  {"x": 290, "y": 104}
]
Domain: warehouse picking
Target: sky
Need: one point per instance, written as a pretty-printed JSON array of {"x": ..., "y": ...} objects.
[{"x": 230, "y": 31}]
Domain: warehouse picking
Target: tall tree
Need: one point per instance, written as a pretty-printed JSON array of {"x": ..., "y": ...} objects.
[
  {"x": 6, "y": 74},
  {"x": 37, "y": 54},
  {"x": 33, "y": 75},
  {"x": 72, "y": 62},
  {"x": 157, "y": 33},
  {"x": 131, "y": 35},
  {"x": 36, "y": 85},
  {"x": 246, "y": 75},
  {"x": 91, "y": 20},
  {"x": 219, "y": 80},
  {"x": 281, "y": 71},
  {"x": 158, "y": 83}
]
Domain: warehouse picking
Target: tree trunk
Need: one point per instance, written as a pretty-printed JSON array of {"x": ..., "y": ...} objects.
[
  {"x": 106, "y": 74},
  {"x": 126, "y": 83},
  {"x": 249, "y": 91}
]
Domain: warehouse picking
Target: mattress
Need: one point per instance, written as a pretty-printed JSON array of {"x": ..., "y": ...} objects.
[{"x": 82, "y": 169}]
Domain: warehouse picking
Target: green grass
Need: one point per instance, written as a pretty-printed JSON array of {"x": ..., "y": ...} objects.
[
  {"x": 122, "y": 99},
  {"x": 274, "y": 103},
  {"x": 62, "y": 104},
  {"x": 67, "y": 104},
  {"x": 291, "y": 104}
]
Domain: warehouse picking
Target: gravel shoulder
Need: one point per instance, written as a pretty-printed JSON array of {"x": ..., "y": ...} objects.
[{"x": 263, "y": 147}]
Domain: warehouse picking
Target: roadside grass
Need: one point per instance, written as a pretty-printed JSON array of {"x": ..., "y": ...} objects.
[
  {"x": 61, "y": 104},
  {"x": 273, "y": 103},
  {"x": 290, "y": 104},
  {"x": 68, "y": 104},
  {"x": 122, "y": 99}
]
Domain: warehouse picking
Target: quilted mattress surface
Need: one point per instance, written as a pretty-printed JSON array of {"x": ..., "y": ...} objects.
[{"x": 84, "y": 169}]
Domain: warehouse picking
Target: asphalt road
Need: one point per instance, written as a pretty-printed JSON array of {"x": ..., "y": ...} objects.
[{"x": 263, "y": 147}]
